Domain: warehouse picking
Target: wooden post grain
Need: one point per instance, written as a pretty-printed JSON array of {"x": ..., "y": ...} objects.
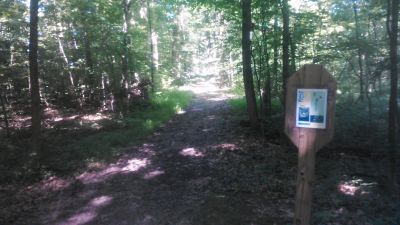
[
  {"x": 305, "y": 178},
  {"x": 308, "y": 140}
]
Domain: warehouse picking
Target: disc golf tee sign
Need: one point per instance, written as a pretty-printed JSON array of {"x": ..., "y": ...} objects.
[{"x": 310, "y": 109}]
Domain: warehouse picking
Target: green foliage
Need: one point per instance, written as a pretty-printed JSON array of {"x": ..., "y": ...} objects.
[
  {"x": 238, "y": 105},
  {"x": 143, "y": 120},
  {"x": 71, "y": 151},
  {"x": 355, "y": 118}
]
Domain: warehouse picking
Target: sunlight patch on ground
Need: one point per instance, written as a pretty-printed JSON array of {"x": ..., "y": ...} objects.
[
  {"x": 100, "y": 201},
  {"x": 192, "y": 152},
  {"x": 52, "y": 183},
  {"x": 225, "y": 146},
  {"x": 89, "y": 212},
  {"x": 100, "y": 176},
  {"x": 135, "y": 164},
  {"x": 208, "y": 88},
  {"x": 355, "y": 187},
  {"x": 202, "y": 88},
  {"x": 80, "y": 218},
  {"x": 95, "y": 117},
  {"x": 125, "y": 164},
  {"x": 153, "y": 174},
  {"x": 181, "y": 112},
  {"x": 348, "y": 189},
  {"x": 59, "y": 118}
]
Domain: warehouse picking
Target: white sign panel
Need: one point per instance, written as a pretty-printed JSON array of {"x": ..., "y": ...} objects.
[{"x": 311, "y": 108}]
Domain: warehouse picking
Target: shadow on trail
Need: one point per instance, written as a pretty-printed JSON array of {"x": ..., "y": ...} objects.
[
  {"x": 175, "y": 177},
  {"x": 203, "y": 168}
]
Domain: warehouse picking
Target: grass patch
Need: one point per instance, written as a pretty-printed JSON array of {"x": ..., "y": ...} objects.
[
  {"x": 239, "y": 106},
  {"x": 66, "y": 152},
  {"x": 142, "y": 121}
]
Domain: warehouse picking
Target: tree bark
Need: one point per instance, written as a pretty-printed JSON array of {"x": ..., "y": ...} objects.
[
  {"x": 5, "y": 117},
  {"x": 285, "y": 47},
  {"x": 34, "y": 76},
  {"x": 276, "y": 55},
  {"x": 152, "y": 53},
  {"x": 89, "y": 65},
  {"x": 359, "y": 53},
  {"x": 122, "y": 96},
  {"x": 393, "y": 11},
  {"x": 292, "y": 55},
  {"x": 246, "y": 56}
]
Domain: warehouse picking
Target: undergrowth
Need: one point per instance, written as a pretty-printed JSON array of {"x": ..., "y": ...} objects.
[
  {"x": 68, "y": 150},
  {"x": 355, "y": 122},
  {"x": 238, "y": 105}
]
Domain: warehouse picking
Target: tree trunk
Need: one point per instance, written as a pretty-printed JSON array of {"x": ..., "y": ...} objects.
[
  {"x": 175, "y": 51},
  {"x": 246, "y": 57},
  {"x": 267, "y": 93},
  {"x": 285, "y": 47},
  {"x": 393, "y": 11},
  {"x": 90, "y": 66},
  {"x": 34, "y": 75},
  {"x": 359, "y": 53},
  {"x": 122, "y": 96},
  {"x": 292, "y": 55},
  {"x": 152, "y": 47},
  {"x": 276, "y": 55},
  {"x": 5, "y": 117}
]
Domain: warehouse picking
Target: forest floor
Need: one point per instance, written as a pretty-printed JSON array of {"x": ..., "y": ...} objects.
[{"x": 204, "y": 168}]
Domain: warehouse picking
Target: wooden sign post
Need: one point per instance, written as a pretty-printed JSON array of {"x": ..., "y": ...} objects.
[{"x": 310, "y": 110}]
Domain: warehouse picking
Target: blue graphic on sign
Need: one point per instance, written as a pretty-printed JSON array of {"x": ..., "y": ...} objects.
[
  {"x": 317, "y": 119},
  {"x": 311, "y": 108},
  {"x": 304, "y": 114},
  {"x": 300, "y": 96}
]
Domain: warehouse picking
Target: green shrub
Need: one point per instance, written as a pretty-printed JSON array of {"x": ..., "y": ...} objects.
[{"x": 104, "y": 146}]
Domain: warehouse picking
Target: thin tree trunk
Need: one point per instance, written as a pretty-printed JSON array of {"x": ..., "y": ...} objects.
[
  {"x": 393, "y": 10},
  {"x": 276, "y": 55},
  {"x": 292, "y": 55},
  {"x": 151, "y": 36},
  {"x": 123, "y": 95},
  {"x": 90, "y": 66},
  {"x": 267, "y": 85},
  {"x": 285, "y": 47},
  {"x": 175, "y": 53},
  {"x": 246, "y": 55},
  {"x": 359, "y": 54},
  {"x": 34, "y": 76},
  {"x": 5, "y": 117},
  {"x": 65, "y": 58}
]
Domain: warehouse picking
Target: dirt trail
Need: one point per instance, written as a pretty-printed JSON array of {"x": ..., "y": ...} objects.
[
  {"x": 203, "y": 168},
  {"x": 185, "y": 173}
]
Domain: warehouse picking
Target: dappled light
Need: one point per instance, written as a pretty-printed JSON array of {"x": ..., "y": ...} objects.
[
  {"x": 52, "y": 183},
  {"x": 348, "y": 189},
  {"x": 134, "y": 165},
  {"x": 101, "y": 176},
  {"x": 177, "y": 112},
  {"x": 89, "y": 212},
  {"x": 192, "y": 152},
  {"x": 356, "y": 186},
  {"x": 130, "y": 166},
  {"x": 95, "y": 117},
  {"x": 225, "y": 146},
  {"x": 153, "y": 174},
  {"x": 80, "y": 218}
]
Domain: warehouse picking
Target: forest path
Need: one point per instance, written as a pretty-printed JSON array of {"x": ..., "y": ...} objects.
[{"x": 188, "y": 172}]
